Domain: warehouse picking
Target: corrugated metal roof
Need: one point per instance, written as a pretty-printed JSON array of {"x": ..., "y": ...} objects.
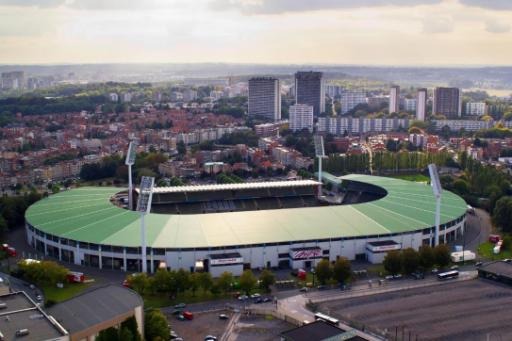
[{"x": 85, "y": 214}]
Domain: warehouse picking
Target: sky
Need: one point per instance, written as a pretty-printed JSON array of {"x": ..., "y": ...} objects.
[{"x": 364, "y": 32}]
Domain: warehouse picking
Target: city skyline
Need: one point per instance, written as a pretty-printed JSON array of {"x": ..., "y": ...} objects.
[{"x": 373, "y": 32}]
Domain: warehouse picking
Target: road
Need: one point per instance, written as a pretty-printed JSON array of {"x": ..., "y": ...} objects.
[{"x": 478, "y": 229}]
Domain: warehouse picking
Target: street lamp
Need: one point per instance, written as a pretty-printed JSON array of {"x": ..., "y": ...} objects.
[{"x": 314, "y": 273}]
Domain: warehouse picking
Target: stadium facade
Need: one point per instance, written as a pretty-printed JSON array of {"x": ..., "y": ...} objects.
[{"x": 231, "y": 227}]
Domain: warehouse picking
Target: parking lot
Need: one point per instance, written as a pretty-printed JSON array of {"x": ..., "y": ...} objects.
[
  {"x": 468, "y": 310},
  {"x": 203, "y": 324}
]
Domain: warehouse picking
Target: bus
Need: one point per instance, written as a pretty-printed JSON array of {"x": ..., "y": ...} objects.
[
  {"x": 326, "y": 318},
  {"x": 448, "y": 275}
]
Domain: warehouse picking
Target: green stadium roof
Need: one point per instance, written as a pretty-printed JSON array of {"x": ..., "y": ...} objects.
[{"x": 86, "y": 214}]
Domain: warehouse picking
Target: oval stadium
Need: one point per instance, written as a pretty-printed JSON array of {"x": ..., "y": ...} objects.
[{"x": 231, "y": 227}]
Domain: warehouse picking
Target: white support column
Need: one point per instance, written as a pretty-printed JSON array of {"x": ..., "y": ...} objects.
[
  {"x": 130, "y": 188},
  {"x": 152, "y": 265},
  {"x": 438, "y": 219},
  {"x": 144, "y": 266},
  {"x": 124, "y": 260},
  {"x": 100, "y": 263}
]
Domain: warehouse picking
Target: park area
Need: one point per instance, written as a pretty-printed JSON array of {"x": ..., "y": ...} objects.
[{"x": 462, "y": 310}]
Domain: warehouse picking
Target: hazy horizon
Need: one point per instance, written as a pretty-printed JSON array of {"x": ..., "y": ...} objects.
[{"x": 420, "y": 33}]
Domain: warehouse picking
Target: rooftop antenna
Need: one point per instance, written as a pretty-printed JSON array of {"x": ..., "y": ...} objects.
[
  {"x": 130, "y": 161},
  {"x": 437, "y": 190},
  {"x": 320, "y": 154},
  {"x": 144, "y": 207}
]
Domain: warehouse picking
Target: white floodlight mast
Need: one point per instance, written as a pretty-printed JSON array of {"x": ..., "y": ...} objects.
[
  {"x": 130, "y": 160},
  {"x": 320, "y": 154},
  {"x": 437, "y": 190},
  {"x": 144, "y": 207}
]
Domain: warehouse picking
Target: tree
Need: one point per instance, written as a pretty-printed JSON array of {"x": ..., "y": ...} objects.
[
  {"x": 426, "y": 255},
  {"x": 502, "y": 214},
  {"x": 43, "y": 273},
  {"x": 507, "y": 242},
  {"x": 109, "y": 334},
  {"x": 461, "y": 186},
  {"x": 393, "y": 262},
  {"x": 247, "y": 281},
  {"x": 323, "y": 271},
  {"x": 3, "y": 226},
  {"x": 225, "y": 281},
  {"x": 194, "y": 282},
  {"x": 155, "y": 326},
  {"x": 139, "y": 282},
  {"x": 162, "y": 280},
  {"x": 341, "y": 270},
  {"x": 205, "y": 281},
  {"x": 267, "y": 278},
  {"x": 181, "y": 148},
  {"x": 410, "y": 260},
  {"x": 182, "y": 280},
  {"x": 442, "y": 255}
]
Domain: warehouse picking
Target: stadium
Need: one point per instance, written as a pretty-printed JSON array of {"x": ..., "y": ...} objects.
[{"x": 231, "y": 227}]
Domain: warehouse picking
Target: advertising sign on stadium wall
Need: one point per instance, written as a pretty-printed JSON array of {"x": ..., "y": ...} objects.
[
  {"x": 306, "y": 253},
  {"x": 383, "y": 248},
  {"x": 226, "y": 261}
]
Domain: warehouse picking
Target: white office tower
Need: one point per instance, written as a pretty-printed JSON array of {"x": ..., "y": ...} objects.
[
  {"x": 265, "y": 98},
  {"x": 350, "y": 99},
  {"x": 301, "y": 117},
  {"x": 475, "y": 108},
  {"x": 421, "y": 104},
  {"x": 394, "y": 99}
]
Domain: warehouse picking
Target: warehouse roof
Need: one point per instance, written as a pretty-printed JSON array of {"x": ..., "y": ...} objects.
[
  {"x": 95, "y": 306},
  {"x": 85, "y": 214}
]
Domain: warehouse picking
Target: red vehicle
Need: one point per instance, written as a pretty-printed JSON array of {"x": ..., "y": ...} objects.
[
  {"x": 11, "y": 252},
  {"x": 494, "y": 238},
  {"x": 188, "y": 315},
  {"x": 301, "y": 274},
  {"x": 75, "y": 277}
]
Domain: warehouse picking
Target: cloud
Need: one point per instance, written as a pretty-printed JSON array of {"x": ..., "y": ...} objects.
[
  {"x": 283, "y": 6},
  {"x": 489, "y": 4},
  {"x": 493, "y": 26},
  {"x": 32, "y": 3},
  {"x": 437, "y": 24}
]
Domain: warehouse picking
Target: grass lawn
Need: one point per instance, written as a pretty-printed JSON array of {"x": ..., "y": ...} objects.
[
  {"x": 486, "y": 250},
  {"x": 412, "y": 177},
  {"x": 52, "y": 293}
]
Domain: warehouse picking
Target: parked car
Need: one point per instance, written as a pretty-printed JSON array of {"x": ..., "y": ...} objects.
[
  {"x": 435, "y": 270},
  {"x": 322, "y": 287},
  {"x": 180, "y": 306},
  {"x": 267, "y": 299},
  {"x": 258, "y": 300},
  {"x": 180, "y": 317},
  {"x": 243, "y": 297},
  {"x": 256, "y": 295},
  {"x": 188, "y": 315},
  {"x": 479, "y": 263},
  {"x": 210, "y": 338},
  {"x": 454, "y": 267},
  {"x": 397, "y": 276},
  {"x": 418, "y": 275},
  {"x": 223, "y": 317},
  {"x": 304, "y": 289}
]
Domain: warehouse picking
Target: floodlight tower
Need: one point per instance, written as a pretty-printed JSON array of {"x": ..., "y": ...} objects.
[
  {"x": 320, "y": 154},
  {"x": 144, "y": 207},
  {"x": 130, "y": 160},
  {"x": 437, "y": 190}
]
